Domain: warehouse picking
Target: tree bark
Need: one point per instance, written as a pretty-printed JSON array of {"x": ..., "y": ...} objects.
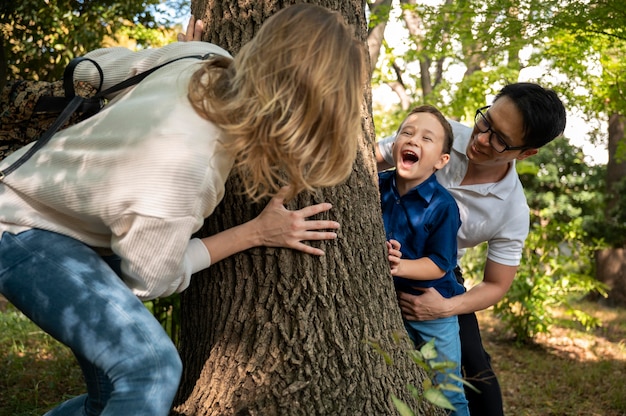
[
  {"x": 376, "y": 34},
  {"x": 616, "y": 166},
  {"x": 274, "y": 331},
  {"x": 611, "y": 262},
  {"x": 611, "y": 269}
]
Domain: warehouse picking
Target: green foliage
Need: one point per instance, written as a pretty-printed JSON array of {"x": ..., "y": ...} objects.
[
  {"x": 167, "y": 312},
  {"x": 379, "y": 14},
  {"x": 553, "y": 273},
  {"x": 483, "y": 39},
  {"x": 37, "y": 371},
  {"x": 560, "y": 186},
  {"x": 425, "y": 358},
  {"x": 387, "y": 122},
  {"x": 609, "y": 225},
  {"x": 39, "y": 38}
]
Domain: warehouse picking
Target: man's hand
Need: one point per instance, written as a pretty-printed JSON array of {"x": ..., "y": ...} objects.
[
  {"x": 194, "y": 31},
  {"x": 426, "y": 307}
]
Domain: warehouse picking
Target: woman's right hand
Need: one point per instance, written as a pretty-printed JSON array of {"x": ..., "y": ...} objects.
[
  {"x": 280, "y": 227},
  {"x": 275, "y": 226}
]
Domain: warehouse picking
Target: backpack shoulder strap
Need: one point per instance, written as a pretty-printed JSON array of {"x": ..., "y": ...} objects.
[
  {"x": 136, "y": 79},
  {"x": 68, "y": 75}
]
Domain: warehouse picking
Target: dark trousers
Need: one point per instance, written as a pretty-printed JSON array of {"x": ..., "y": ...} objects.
[{"x": 476, "y": 367}]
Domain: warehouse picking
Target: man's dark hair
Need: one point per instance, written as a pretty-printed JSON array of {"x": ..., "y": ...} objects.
[{"x": 542, "y": 111}]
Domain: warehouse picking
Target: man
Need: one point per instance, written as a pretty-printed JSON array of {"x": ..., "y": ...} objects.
[{"x": 482, "y": 179}]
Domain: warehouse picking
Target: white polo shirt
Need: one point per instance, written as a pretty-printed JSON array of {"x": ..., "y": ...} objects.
[{"x": 493, "y": 212}]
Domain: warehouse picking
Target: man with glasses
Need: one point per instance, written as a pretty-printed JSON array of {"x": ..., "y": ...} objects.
[{"x": 481, "y": 177}]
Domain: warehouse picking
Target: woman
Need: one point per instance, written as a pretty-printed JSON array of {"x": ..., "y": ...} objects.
[{"x": 140, "y": 177}]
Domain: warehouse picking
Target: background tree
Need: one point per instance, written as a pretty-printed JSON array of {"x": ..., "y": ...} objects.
[
  {"x": 273, "y": 331},
  {"x": 37, "y": 39}
]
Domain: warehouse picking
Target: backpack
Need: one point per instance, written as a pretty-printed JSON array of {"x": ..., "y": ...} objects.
[
  {"x": 28, "y": 109},
  {"x": 35, "y": 110}
]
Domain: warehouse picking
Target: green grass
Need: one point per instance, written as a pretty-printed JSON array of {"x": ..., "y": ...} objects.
[
  {"x": 37, "y": 371},
  {"x": 567, "y": 373}
]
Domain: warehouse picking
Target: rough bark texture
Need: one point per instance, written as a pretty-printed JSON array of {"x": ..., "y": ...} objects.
[
  {"x": 616, "y": 167},
  {"x": 611, "y": 269},
  {"x": 277, "y": 332},
  {"x": 376, "y": 34},
  {"x": 611, "y": 262}
]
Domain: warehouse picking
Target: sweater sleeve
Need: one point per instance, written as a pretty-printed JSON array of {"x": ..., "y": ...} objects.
[
  {"x": 197, "y": 256},
  {"x": 120, "y": 63},
  {"x": 157, "y": 259}
]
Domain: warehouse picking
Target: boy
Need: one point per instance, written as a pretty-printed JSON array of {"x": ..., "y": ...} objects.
[{"x": 422, "y": 220}]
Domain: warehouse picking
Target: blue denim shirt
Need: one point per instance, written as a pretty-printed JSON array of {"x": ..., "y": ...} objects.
[{"x": 425, "y": 221}]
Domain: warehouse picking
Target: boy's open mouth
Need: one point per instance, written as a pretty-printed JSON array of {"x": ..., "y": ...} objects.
[{"x": 409, "y": 157}]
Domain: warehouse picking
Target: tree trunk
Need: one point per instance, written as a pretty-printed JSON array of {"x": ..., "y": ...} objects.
[
  {"x": 274, "y": 331},
  {"x": 376, "y": 34},
  {"x": 616, "y": 166},
  {"x": 611, "y": 269},
  {"x": 611, "y": 262}
]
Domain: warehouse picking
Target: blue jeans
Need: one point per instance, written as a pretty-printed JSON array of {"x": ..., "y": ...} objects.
[
  {"x": 445, "y": 331},
  {"x": 130, "y": 365}
]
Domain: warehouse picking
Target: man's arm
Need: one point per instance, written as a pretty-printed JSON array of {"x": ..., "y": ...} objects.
[
  {"x": 431, "y": 305},
  {"x": 382, "y": 151},
  {"x": 381, "y": 163}
]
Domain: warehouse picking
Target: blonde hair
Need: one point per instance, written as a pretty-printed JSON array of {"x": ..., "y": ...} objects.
[{"x": 289, "y": 102}]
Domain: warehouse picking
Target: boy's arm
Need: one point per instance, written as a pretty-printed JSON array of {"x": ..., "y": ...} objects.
[{"x": 419, "y": 269}]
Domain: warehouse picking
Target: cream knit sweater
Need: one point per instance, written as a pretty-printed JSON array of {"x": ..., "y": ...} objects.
[{"x": 139, "y": 177}]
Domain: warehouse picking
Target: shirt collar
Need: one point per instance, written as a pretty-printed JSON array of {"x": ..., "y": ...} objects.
[
  {"x": 424, "y": 190},
  {"x": 457, "y": 167}
]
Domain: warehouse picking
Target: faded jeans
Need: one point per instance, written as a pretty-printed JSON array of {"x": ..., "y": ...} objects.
[
  {"x": 445, "y": 331},
  {"x": 130, "y": 365}
]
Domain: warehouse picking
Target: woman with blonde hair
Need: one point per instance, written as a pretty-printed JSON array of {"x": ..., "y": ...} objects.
[{"x": 139, "y": 178}]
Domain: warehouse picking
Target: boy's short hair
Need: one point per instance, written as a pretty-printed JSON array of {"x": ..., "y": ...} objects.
[{"x": 447, "y": 128}]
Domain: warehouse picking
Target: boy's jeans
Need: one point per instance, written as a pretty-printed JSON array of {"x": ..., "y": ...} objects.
[
  {"x": 445, "y": 331},
  {"x": 130, "y": 365}
]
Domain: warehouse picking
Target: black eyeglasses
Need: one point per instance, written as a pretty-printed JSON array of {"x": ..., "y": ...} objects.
[{"x": 483, "y": 126}]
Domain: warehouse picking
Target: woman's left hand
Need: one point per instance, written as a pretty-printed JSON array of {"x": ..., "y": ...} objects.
[
  {"x": 194, "y": 31},
  {"x": 280, "y": 227}
]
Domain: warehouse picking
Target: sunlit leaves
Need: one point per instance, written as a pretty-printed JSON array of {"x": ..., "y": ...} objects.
[{"x": 40, "y": 38}]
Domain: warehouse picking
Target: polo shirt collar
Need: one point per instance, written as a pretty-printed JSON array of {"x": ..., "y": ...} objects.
[{"x": 501, "y": 189}]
